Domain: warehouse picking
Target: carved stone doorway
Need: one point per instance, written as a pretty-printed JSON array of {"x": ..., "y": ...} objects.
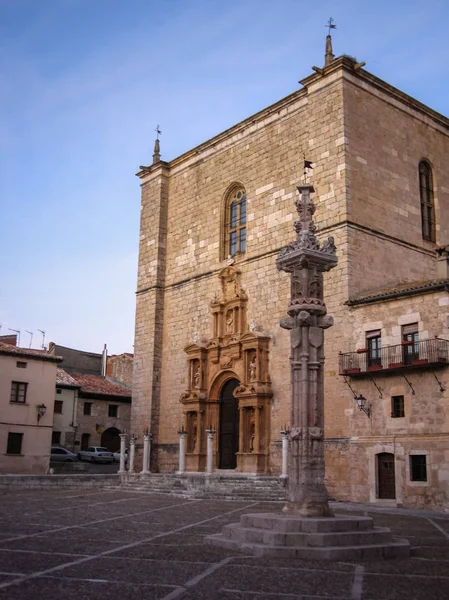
[
  {"x": 386, "y": 476},
  {"x": 229, "y": 426}
]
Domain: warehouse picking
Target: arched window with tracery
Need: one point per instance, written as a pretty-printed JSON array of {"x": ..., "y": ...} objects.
[
  {"x": 427, "y": 201},
  {"x": 235, "y": 223}
]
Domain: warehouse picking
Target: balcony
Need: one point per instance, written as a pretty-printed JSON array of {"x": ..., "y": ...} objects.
[{"x": 408, "y": 355}]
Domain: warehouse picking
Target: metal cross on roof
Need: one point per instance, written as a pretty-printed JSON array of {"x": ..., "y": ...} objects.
[
  {"x": 158, "y": 131},
  {"x": 331, "y": 25}
]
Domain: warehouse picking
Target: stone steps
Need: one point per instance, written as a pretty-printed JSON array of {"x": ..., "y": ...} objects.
[
  {"x": 328, "y": 538},
  {"x": 220, "y": 487}
]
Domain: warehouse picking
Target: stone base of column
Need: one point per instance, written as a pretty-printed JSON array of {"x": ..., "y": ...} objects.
[
  {"x": 331, "y": 538},
  {"x": 308, "y": 509}
]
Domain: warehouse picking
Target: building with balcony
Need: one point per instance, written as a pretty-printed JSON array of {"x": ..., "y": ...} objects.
[{"x": 208, "y": 347}]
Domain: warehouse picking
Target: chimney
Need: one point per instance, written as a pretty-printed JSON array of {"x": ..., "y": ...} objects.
[
  {"x": 443, "y": 262},
  {"x": 104, "y": 361},
  {"x": 11, "y": 340}
]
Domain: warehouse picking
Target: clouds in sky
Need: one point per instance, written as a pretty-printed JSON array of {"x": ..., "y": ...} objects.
[{"x": 83, "y": 85}]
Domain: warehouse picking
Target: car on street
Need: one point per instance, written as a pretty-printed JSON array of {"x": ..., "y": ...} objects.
[
  {"x": 58, "y": 454},
  {"x": 117, "y": 456},
  {"x": 96, "y": 454}
]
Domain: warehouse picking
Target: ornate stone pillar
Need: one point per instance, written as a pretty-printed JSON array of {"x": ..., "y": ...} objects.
[
  {"x": 182, "y": 449},
  {"x": 284, "y": 434},
  {"x": 305, "y": 261},
  {"x": 210, "y": 450},
  {"x": 132, "y": 453},
  {"x": 122, "y": 468},
  {"x": 146, "y": 453}
]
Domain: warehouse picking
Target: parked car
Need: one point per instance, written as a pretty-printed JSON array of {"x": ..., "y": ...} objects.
[
  {"x": 96, "y": 454},
  {"x": 117, "y": 456},
  {"x": 62, "y": 455}
]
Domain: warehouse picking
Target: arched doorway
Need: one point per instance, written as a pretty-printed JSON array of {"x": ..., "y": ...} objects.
[
  {"x": 386, "y": 481},
  {"x": 229, "y": 426},
  {"x": 110, "y": 439}
]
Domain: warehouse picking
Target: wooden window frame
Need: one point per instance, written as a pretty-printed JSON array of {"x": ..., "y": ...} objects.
[
  {"x": 16, "y": 387},
  {"x": 397, "y": 407},
  {"x": 113, "y": 406},
  {"x": 426, "y": 195},
  {"x": 11, "y": 445},
  {"x": 418, "y": 472},
  {"x": 374, "y": 347},
  {"x": 87, "y": 411},
  {"x": 59, "y": 404}
]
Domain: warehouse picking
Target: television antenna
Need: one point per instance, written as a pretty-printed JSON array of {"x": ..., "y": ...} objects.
[
  {"x": 43, "y": 338},
  {"x": 31, "y": 337},
  {"x": 18, "y": 334}
]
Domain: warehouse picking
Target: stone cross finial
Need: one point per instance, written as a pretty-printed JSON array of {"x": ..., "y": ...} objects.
[
  {"x": 157, "y": 146},
  {"x": 329, "y": 55}
]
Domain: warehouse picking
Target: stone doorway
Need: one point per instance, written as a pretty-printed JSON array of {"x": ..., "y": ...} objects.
[
  {"x": 229, "y": 426},
  {"x": 110, "y": 439},
  {"x": 386, "y": 479}
]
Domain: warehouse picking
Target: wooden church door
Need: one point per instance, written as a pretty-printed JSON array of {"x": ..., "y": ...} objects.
[{"x": 229, "y": 426}]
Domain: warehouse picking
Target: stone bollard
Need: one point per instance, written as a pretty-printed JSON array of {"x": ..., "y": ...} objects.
[
  {"x": 210, "y": 450},
  {"x": 132, "y": 453},
  {"x": 146, "y": 453},
  {"x": 122, "y": 468},
  {"x": 182, "y": 450},
  {"x": 285, "y": 433}
]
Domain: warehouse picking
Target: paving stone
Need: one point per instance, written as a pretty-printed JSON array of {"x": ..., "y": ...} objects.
[
  {"x": 64, "y": 589},
  {"x": 406, "y": 588}
]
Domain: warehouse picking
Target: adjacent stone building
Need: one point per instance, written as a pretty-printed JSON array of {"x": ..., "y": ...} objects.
[
  {"x": 92, "y": 403},
  {"x": 208, "y": 347}
]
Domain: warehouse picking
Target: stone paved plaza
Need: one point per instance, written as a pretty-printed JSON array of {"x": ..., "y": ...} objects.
[{"x": 112, "y": 544}]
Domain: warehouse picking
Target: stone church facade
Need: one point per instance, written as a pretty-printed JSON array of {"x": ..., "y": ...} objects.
[{"x": 209, "y": 351}]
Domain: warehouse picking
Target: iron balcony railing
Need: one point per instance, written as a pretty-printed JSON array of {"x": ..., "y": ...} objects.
[{"x": 408, "y": 355}]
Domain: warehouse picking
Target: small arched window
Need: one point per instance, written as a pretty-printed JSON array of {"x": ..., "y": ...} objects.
[
  {"x": 427, "y": 201},
  {"x": 235, "y": 223}
]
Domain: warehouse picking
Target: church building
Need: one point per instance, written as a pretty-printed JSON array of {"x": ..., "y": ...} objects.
[{"x": 209, "y": 350}]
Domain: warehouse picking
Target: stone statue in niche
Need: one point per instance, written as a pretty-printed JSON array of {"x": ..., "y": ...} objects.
[
  {"x": 296, "y": 289},
  {"x": 252, "y": 429},
  {"x": 229, "y": 322},
  {"x": 196, "y": 375},
  {"x": 316, "y": 286},
  {"x": 252, "y": 369},
  {"x": 193, "y": 432}
]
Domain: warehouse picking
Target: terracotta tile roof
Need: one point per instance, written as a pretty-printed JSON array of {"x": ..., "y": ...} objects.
[
  {"x": 9, "y": 350},
  {"x": 63, "y": 379},
  {"x": 400, "y": 290},
  {"x": 96, "y": 384}
]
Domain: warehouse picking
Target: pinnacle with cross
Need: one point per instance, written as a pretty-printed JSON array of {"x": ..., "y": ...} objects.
[
  {"x": 157, "y": 146},
  {"x": 329, "y": 55}
]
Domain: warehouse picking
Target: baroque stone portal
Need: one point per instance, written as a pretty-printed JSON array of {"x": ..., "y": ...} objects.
[{"x": 232, "y": 353}]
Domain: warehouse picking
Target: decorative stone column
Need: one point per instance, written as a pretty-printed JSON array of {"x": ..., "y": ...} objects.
[
  {"x": 182, "y": 449},
  {"x": 132, "y": 453},
  {"x": 146, "y": 453},
  {"x": 122, "y": 468},
  {"x": 307, "y": 496},
  {"x": 285, "y": 433},
  {"x": 305, "y": 261},
  {"x": 210, "y": 449}
]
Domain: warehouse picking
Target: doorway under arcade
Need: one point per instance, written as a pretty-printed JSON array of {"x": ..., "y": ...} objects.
[{"x": 229, "y": 387}]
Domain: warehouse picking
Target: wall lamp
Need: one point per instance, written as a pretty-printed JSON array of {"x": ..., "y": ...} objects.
[
  {"x": 41, "y": 410},
  {"x": 361, "y": 402}
]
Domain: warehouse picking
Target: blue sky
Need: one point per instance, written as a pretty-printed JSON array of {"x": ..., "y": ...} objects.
[{"x": 83, "y": 84}]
